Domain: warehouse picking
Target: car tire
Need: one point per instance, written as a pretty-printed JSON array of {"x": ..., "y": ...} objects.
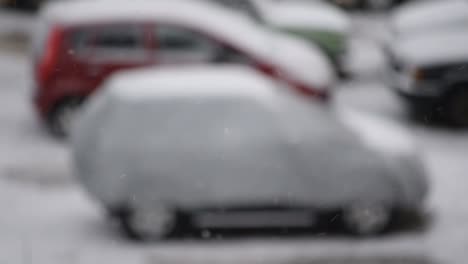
[
  {"x": 366, "y": 218},
  {"x": 148, "y": 224},
  {"x": 457, "y": 107},
  {"x": 61, "y": 119}
]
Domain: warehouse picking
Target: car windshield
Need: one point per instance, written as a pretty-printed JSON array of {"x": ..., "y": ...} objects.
[{"x": 233, "y": 131}]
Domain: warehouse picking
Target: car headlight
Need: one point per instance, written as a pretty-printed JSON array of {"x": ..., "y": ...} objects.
[{"x": 417, "y": 74}]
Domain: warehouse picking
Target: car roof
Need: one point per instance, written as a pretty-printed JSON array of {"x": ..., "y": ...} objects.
[
  {"x": 227, "y": 81},
  {"x": 83, "y": 11},
  {"x": 427, "y": 16},
  {"x": 219, "y": 22},
  {"x": 434, "y": 48},
  {"x": 304, "y": 15}
]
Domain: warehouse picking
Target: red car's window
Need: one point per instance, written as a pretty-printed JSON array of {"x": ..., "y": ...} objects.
[{"x": 129, "y": 37}]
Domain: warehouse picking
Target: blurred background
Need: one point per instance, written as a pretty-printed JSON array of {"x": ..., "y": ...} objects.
[{"x": 402, "y": 60}]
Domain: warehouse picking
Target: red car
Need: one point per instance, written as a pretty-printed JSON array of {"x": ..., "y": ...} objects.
[{"x": 79, "y": 44}]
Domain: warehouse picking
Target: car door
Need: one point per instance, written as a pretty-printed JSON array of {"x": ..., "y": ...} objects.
[{"x": 105, "y": 49}]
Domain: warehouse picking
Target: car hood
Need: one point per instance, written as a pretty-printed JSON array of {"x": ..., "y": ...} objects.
[
  {"x": 430, "y": 16},
  {"x": 379, "y": 134},
  {"x": 302, "y": 61},
  {"x": 314, "y": 16},
  {"x": 433, "y": 48}
]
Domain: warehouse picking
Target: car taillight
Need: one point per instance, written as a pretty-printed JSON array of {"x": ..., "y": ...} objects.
[{"x": 48, "y": 61}]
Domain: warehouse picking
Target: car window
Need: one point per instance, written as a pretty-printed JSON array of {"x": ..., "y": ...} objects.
[
  {"x": 81, "y": 41},
  {"x": 177, "y": 39},
  {"x": 129, "y": 37},
  {"x": 116, "y": 43},
  {"x": 176, "y": 44}
]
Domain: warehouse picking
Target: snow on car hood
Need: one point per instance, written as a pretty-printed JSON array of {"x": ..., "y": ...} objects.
[
  {"x": 304, "y": 15},
  {"x": 433, "y": 48},
  {"x": 302, "y": 61},
  {"x": 377, "y": 133},
  {"x": 430, "y": 16}
]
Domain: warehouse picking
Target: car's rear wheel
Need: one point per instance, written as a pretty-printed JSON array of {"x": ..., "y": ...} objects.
[
  {"x": 366, "y": 218},
  {"x": 148, "y": 223},
  {"x": 62, "y": 117},
  {"x": 457, "y": 107}
]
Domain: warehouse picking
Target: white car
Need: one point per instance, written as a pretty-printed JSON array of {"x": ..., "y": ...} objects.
[
  {"x": 422, "y": 17},
  {"x": 226, "y": 142}
]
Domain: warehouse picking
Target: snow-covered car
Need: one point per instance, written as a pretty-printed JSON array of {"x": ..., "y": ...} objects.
[
  {"x": 78, "y": 44},
  {"x": 157, "y": 144},
  {"x": 422, "y": 17},
  {"x": 431, "y": 72},
  {"x": 318, "y": 22}
]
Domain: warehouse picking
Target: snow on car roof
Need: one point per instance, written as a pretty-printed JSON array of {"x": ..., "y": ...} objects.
[
  {"x": 199, "y": 81},
  {"x": 438, "y": 47},
  {"x": 220, "y": 22},
  {"x": 414, "y": 16},
  {"x": 301, "y": 14},
  {"x": 109, "y": 10}
]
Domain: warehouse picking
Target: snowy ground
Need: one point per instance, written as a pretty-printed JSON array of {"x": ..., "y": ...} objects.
[{"x": 47, "y": 219}]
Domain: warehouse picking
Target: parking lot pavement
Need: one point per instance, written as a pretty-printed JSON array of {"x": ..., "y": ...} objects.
[{"x": 46, "y": 218}]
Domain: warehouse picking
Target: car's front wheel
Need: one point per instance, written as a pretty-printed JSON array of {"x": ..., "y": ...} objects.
[
  {"x": 366, "y": 218},
  {"x": 148, "y": 223}
]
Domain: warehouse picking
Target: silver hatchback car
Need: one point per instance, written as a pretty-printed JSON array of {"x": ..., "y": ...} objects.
[{"x": 227, "y": 142}]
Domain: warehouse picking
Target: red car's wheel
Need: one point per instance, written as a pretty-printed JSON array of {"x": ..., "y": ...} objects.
[{"x": 61, "y": 119}]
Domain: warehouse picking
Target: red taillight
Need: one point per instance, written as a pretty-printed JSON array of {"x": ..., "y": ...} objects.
[
  {"x": 303, "y": 89},
  {"x": 48, "y": 61}
]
